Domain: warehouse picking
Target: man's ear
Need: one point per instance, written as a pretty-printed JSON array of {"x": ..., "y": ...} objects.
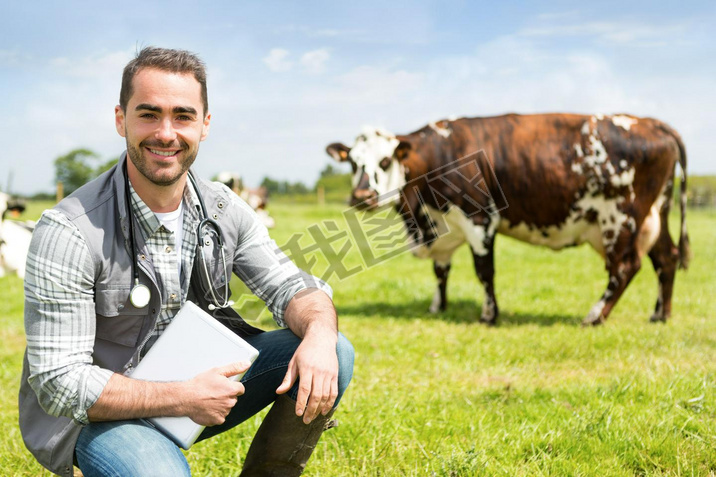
[
  {"x": 119, "y": 120},
  {"x": 402, "y": 150},
  {"x": 338, "y": 151},
  {"x": 205, "y": 127}
]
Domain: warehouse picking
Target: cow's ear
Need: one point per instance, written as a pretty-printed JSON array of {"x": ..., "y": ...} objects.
[
  {"x": 402, "y": 150},
  {"x": 338, "y": 151}
]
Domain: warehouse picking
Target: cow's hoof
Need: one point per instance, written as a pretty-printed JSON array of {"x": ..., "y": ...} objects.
[
  {"x": 658, "y": 318},
  {"x": 437, "y": 309},
  {"x": 593, "y": 320},
  {"x": 595, "y": 316},
  {"x": 488, "y": 321},
  {"x": 489, "y": 314}
]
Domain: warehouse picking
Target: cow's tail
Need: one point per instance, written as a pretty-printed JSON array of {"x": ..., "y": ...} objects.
[{"x": 684, "y": 247}]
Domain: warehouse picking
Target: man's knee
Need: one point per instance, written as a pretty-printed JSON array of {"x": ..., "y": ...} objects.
[
  {"x": 128, "y": 448},
  {"x": 346, "y": 356}
]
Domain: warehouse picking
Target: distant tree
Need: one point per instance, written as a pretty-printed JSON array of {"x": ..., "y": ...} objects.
[
  {"x": 296, "y": 188},
  {"x": 329, "y": 171},
  {"x": 270, "y": 185},
  {"x": 106, "y": 166},
  {"x": 333, "y": 179},
  {"x": 74, "y": 169},
  {"x": 43, "y": 196},
  {"x": 274, "y": 187}
]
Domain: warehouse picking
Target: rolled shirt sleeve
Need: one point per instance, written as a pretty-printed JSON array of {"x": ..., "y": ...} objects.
[
  {"x": 265, "y": 269},
  {"x": 60, "y": 319}
]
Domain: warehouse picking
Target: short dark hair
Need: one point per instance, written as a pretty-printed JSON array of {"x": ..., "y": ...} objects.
[{"x": 174, "y": 61}]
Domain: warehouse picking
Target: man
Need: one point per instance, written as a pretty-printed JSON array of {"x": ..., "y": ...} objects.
[{"x": 135, "y": 226}]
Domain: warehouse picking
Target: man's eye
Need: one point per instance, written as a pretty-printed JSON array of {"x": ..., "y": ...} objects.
[
  {"x": 184, "y": 118},
  {"x": 385, "y": 163},
  {"x": 147, "y": 116}
]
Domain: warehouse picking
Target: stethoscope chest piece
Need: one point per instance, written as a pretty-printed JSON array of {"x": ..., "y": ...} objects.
[{"x": 140, "y": 295}]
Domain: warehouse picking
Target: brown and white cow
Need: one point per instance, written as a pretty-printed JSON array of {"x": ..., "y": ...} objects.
[{"x": 556, "y": 180}]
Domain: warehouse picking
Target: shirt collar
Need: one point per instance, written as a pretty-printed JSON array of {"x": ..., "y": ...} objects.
[
  {"x": 192, "y": 201},
  {"x": 148, "y": 221}
]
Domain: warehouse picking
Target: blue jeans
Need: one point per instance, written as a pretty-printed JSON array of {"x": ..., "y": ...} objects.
[{"x": 122, "y": 448}]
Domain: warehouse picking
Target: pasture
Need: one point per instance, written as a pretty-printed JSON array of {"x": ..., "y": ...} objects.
[{"x": 442, "y": 395}]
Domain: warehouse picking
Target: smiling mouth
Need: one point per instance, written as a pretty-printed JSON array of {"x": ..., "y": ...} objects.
[{"x": 163, "y": 153}]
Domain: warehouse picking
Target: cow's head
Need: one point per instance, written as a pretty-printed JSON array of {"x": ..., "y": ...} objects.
[
  {"x": 8, "y": 204},
  {"x": 376, "y": 158}
]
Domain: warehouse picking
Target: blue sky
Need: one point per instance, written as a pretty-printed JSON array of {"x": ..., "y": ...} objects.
[{"x": 287, "y": 78}]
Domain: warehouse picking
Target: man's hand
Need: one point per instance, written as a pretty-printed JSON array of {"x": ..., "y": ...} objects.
[
  {"x": 213, "y": 395},
  {"x": 312, "y": 317},
  {"x": 207, "y": 398},
  {"x": 316, "y": 363}
]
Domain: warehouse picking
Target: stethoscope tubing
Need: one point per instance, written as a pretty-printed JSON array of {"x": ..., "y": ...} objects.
[{"x": 140, "y": 295}]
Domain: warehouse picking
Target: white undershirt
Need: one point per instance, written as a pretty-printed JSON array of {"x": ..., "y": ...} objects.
[{"x": 173, "y": 222}]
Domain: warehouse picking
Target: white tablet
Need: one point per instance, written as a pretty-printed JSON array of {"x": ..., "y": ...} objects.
[{"x": 192, "y": 343}]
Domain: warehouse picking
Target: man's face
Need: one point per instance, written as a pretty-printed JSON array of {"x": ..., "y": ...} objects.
[{"x": 164, "y": 123}]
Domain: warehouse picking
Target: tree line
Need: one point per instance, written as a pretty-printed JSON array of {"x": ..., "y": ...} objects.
[
  {"x": 80, "y": 166},
  {"x": 330, "y": 180}
]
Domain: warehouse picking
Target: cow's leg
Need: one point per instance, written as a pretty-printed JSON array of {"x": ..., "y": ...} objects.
[
  {"x": 442, "y": 270},
  {"x": 485, "y": 268},
  {"x": 664, "y": 256},
  {"x": 621, "y": 267},
  {"x": 482, "y": 242}
]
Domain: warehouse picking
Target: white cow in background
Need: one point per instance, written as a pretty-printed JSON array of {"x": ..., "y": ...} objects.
[
  {"x": 256, "y": 198},
  {"x": 14, "y": 238}
]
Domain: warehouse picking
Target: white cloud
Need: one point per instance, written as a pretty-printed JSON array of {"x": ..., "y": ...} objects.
[
  {"x": 326, "y": 32},
  {"x": 524, "y": 74},
  {"x": 563, "y": 15},
  {"x": 315, "y": 61},
  {"x": 378, "y": 86},
  {"x": 67, "y": 103},
  {"x": 10, "y": 58},
  {"x": 106, "y": 65},
  {"x": 616, "y": 32},
  {"x": 356, "y": 34},
  {"x": 278, "y": 124},
  {"x": 277, "y": 60}
]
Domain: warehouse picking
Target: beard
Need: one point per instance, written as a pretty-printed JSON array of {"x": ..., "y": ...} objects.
[{"x": 162, "y": 176}]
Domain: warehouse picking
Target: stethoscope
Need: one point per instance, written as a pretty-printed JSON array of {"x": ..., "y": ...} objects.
[{"x": 207, "y": 231}]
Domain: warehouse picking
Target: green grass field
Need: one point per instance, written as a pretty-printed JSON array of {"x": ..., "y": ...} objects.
[{"x": 443, "y": 395}]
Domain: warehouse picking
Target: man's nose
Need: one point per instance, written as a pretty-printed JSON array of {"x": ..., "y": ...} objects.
[{"x": 166, "y": 132}]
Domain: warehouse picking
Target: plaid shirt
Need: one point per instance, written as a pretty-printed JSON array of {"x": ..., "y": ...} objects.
[
  {"x": 161, "y": 244},
  {"x": 59, "y": 281}
]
